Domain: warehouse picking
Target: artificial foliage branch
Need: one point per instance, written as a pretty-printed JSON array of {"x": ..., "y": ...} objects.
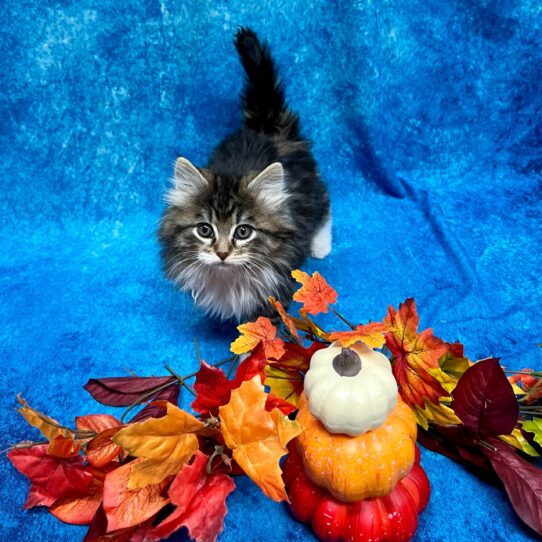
[{"x": 167, "y": 468}]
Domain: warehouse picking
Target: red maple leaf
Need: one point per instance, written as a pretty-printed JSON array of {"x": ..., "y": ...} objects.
[
  {"x": 213, "y": 388},
  {"x": 200, "y": 501},
  {"x": 414, "y": 353}
]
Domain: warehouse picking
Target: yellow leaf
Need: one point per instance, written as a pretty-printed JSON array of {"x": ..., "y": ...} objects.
[
  {"x": 258, "y": 438},
  {"x": 517, "y": 440},
  {"x": 165, "y": 443},
  {"x": 439, "y": 414},
  {"x": 61, "y": 439},
  {"x": 286, "y": 385}
]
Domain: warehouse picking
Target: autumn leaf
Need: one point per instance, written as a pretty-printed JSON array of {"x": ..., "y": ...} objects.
[
  {"x": 96, "y": 422},
  {"x": 371, "y": 334},
  {"x": 200, "y": 501},
  {"x": 518, "y": 441},
  {"x": 253, "y": 333},
  {"x": 454, "y": 363},
  {"x": 126, "y": 507},
  {"x": 285, "y": 384},
  {"x": 315, "y": 293},
  {"x": 414, "y": 353},
  {"x": 165, "y": 445},
  {"x": 64, "y": 447},
  {"x": 156, "y": 409},
  {"x": 77, "y": 511},
  {"x": 531, "y": 385},
  {"x": 257, "y": 438},
  {"x": 125, "y": 391},
  {"x": 522, "y": 481},
  {"x": 97, "y": 531},
  {"x": 37, "y": 496},
  {"x": 101, "y": 450},
  {"x": 440, "y": 414},
  {"x": 51, "y": 477},
  {"x": 273, "y": 401},
  {"x": 61, "y": 439},
  {"x": 212, "y": 387},
  {"x": 534, "y": 426},
  {"x": 296, "y": 357},
  {"x": 485, "y": 401},
  {"x": 286, "y": 318}
]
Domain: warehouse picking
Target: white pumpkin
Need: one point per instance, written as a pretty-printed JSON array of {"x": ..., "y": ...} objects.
[{"x": 350, "y": 390}]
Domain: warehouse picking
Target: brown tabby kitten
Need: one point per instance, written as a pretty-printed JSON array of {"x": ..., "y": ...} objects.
[{"x": 234, "y": 230}]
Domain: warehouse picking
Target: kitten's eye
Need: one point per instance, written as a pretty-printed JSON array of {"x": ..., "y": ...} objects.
[
  {"x": 243, "y": 232},
  {"x": 205, "y": 230}
]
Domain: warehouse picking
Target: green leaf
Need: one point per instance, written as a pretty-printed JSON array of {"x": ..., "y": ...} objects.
[{"x": 534, "y": 426}]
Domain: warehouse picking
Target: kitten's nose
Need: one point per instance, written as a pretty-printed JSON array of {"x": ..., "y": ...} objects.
[{"x": 222, "y": 255}]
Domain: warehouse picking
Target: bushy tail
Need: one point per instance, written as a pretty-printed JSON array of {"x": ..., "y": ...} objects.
[{"x": 263, "y": 101}]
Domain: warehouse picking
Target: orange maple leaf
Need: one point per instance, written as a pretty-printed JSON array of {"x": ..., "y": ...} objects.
[
  {"x": 285, "y": 317},
  {"x": 371, "y": 334},
  {"x": 315, "y": 293},
  {"x": 165, "y": 444},
  {"x": 254, "y": 333},
  {"x": 257, "y": 438},
  {"x": 414, "y": 353}
]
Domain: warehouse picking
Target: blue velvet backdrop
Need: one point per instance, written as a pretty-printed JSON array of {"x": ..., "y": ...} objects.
[{"x": 426, "y": 122}]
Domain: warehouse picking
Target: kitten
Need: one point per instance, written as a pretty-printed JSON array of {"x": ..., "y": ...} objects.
[{"x": 234, "y": 230}]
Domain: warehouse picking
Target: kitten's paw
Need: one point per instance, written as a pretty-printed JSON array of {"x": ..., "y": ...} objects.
[{"x": 321, "y": 242}]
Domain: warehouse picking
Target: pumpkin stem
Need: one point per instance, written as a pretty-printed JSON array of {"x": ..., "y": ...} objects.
[{"x": 347, "y": 363}]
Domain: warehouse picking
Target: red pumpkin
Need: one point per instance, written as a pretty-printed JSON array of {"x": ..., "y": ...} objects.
[{"x": 392, "y": 518}]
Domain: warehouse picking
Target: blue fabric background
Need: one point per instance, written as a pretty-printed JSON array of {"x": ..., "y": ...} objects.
[{"x": 426, "y": 122}]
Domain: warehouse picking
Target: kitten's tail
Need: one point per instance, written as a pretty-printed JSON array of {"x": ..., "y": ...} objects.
[{"x": 263, "y": 101}]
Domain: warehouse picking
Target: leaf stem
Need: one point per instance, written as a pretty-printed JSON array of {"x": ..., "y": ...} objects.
[
  {"x": 198, "y": 351},
  {"x": 180, "y": 379},
  {"x": 341, "y": 317},
  {"x": 232, "y": 365}
]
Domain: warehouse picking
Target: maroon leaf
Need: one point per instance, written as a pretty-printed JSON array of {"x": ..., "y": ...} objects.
[
  {"x": 522, "y": 481},
  {"x": 158, "y": 410},
  {"x": 484, "y": 400},
  {"x": 200, "y": 501},
  {"x": 124, "y": 391},
  {"x": 51, "y": 476}
]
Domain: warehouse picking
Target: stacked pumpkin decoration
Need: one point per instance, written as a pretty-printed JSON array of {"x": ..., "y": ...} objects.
[{"x": 354, "y": 472}]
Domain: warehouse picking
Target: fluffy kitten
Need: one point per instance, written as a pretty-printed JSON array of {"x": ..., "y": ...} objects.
[{"x": 234, "y": 230}]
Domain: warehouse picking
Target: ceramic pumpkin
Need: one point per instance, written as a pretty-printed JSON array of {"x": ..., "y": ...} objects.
[
  {"x": 392, "y": 518},
  {"x": 355, "y": 468},
  {"x": 350, "y": 390}
]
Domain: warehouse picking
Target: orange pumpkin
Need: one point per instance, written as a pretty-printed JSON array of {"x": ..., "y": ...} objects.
[{"x": 355, "y": 468}]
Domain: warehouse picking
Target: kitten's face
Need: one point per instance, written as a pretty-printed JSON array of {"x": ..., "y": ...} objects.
[{"x": 224, "y": 237}]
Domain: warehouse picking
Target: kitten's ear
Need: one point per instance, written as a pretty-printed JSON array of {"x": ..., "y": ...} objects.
[
  {"x": 187, "y": 176},
  {"x": 188, "y": 181},
  {"x": 269, "y": 186}
]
